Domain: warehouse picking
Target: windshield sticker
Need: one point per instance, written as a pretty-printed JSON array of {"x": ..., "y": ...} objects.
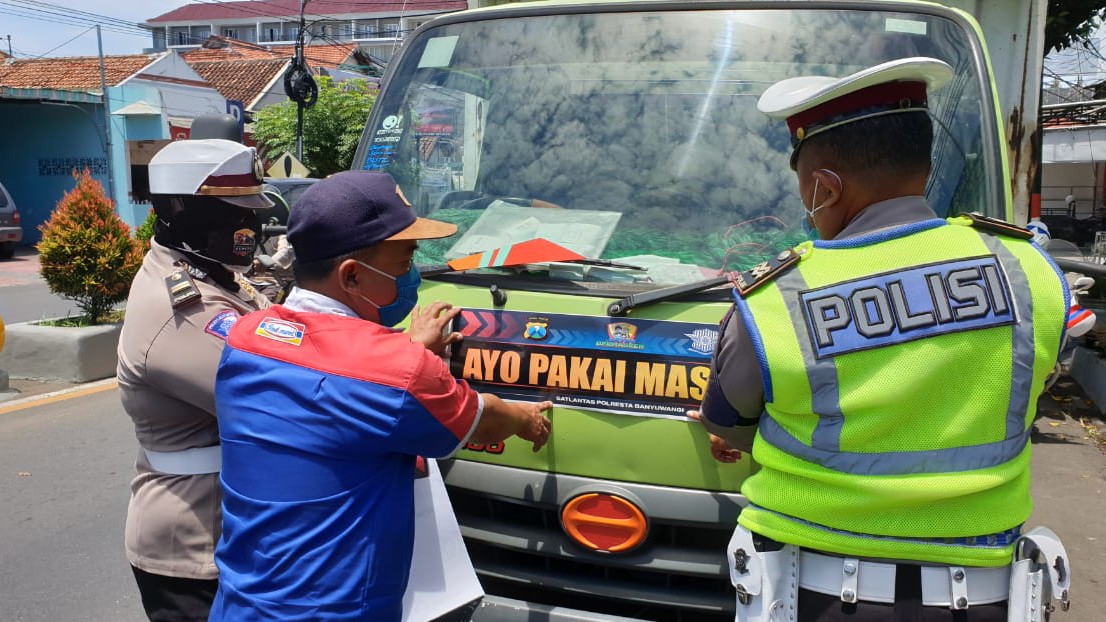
[
  {"x": 438, "y": 52},
  {"x": 382, "y": 149},
  {"x": 645, "y": 368},
  {"x": 909, "y": 26}
]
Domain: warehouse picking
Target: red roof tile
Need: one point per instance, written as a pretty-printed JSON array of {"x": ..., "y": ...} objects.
[
  {"x": 329, "y": 56},
  {"x": 218, "y": 48},
  {"x": 77, "y": 73},
  {"x": 252, "y": 10},
  {"x": 242, "y": 80}
]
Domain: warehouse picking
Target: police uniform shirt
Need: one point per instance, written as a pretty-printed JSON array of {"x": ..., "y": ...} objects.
[
  {"x": 167, "y": 362},
  {"x": 735, "y": 364}
]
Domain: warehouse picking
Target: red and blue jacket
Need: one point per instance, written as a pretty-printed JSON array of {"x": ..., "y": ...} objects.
[{"x": 321, "y": 418}]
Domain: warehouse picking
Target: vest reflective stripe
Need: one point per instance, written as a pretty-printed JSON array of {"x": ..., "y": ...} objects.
[
  {"x": 826, "y": 440},
  {"x": 967, "y": 458},
  {"x": 1023, "y": 337},
  {"x": 819, "y": 372}
]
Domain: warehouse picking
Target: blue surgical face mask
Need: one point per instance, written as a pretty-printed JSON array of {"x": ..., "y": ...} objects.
[
  {"x": 809, "y": 230},
  {"x": 407, "y": 294},
  {"x": 808, "y": 214}
]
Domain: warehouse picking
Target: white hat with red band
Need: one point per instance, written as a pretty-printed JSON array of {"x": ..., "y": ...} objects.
[{"x": 212, "y": 167}]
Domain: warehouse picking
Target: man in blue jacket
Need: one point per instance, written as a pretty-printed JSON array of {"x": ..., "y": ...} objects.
[{"x": 323, "y": 409}]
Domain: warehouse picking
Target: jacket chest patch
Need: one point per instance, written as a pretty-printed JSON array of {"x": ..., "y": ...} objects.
[
  {"x": 281, "y": 330},
  {"x": 905, "y": 305}
]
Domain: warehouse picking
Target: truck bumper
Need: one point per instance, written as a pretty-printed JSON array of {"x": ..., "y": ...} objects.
[{"x": 11, "y": 234}]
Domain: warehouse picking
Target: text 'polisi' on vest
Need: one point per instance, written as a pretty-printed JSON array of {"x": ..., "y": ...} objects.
[{"x": 893, "y": 308}]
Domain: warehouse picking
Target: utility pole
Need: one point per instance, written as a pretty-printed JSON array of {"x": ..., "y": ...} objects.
[
  {"x": 107, "y": 115},
  {"x": 299, "y": 85},
  {"x": 299, "y": 104},
  {"x": 10, "y": 45}
]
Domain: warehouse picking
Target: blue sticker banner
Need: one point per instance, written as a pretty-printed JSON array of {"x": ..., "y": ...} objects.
[{"x": 637, "y": 367}]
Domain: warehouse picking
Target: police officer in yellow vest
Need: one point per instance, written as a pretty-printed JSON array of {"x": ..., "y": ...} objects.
[{"x": 886, "y": 378}]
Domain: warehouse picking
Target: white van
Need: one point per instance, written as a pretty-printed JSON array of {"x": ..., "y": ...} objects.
[{"x": 11, "y": 232}]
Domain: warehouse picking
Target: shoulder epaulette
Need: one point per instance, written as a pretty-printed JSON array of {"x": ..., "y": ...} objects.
[
  {"x": 1001, "y": 227},
  {"x": 763, "y": 272},
  {"x": 182, "y": 289}
]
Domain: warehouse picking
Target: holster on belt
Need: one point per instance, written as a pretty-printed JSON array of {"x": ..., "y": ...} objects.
[
  {"x": 1040, "y": 573},
  {"x": 767, "y": 581}
]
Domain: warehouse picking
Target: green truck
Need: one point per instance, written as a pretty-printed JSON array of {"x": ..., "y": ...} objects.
[{"x": 628, "y": 133}]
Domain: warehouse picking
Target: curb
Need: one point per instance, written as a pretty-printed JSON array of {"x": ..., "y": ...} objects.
[{"x": 53, "y": 396}]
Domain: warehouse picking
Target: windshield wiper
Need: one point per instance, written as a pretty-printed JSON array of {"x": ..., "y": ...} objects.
[
  {"x": 623, "y": 306},
  {"x": 432, "y": 270},
  {"x": 603, "y": 263}
]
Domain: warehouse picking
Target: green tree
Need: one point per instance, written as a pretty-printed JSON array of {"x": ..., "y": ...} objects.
[
  {"x": 86, "y": 252},
  {"x": 331, "y": 128},
  {"x": 1070, "y": 22}
]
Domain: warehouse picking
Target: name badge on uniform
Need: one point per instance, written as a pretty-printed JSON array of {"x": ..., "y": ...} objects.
[{"x": 182, "y": 289}]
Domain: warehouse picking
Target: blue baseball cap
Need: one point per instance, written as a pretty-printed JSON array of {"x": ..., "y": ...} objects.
[{"x": 352, "y": 210}]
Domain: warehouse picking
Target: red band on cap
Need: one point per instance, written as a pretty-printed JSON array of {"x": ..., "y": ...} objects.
[
  {"x": 232, "y": 181},
  {"x": 888, "y": 94}
]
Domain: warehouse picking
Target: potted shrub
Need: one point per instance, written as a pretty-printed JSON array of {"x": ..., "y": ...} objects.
[{"x": 88, "y": 255}]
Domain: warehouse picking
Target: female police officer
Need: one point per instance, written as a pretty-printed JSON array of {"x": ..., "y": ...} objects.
[{"x": 206, "y": 194}]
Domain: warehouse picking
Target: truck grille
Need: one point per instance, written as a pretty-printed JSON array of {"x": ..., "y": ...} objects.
[{"x": 519, "y": 550}]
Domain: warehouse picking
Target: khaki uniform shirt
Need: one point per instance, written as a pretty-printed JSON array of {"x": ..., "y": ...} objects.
[
  {"x": 735, "y": 363},
  {"x": 166, "y": 372}
]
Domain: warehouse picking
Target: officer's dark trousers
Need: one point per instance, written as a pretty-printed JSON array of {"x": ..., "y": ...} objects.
[
  {"x": 814, "y": 606},
  {"x": 173, "y": 599}
]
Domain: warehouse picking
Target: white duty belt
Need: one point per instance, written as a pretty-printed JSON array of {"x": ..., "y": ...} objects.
[
  {"x": 955, "y": 587},
  {"x": 195, "y": 461}
]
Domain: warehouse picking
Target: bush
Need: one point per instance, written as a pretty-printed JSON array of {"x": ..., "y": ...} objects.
[
  {"x": 145, "y": 231},
  {"x": 86, "y": 252}
]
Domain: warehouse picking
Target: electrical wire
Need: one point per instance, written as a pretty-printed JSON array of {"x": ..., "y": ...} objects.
[
  {"x": 102, "y": 19},
  {"x": 61, "y": 19},
  {"x": 67, "y": 42}
]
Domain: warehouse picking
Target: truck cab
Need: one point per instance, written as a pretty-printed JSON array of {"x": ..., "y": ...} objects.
[{"x": 627, "y": 132}]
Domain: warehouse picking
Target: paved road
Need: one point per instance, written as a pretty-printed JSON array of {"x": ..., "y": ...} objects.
[
  {"x": 65, "y": 465},
  {"x": 24, "y": 296},
  {"x": 65, "y": 468}
]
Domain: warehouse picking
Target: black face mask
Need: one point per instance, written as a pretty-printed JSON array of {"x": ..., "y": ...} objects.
[
  {"x": 213, "y": 229},
  {"x": 234, "y": 245}
]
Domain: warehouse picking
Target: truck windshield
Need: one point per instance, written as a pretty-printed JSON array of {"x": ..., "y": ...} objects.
[{"x": 635, "y": 136}]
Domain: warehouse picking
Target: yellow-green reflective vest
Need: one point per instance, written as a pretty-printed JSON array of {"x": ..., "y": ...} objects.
[{"x": 901, "y": 374}]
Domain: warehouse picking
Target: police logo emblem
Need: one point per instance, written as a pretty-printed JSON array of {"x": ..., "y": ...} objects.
[
  {"x": 703, "y": 340},
  {"x": 622, "y": 331},
  {"x": 537, "y": 329}
]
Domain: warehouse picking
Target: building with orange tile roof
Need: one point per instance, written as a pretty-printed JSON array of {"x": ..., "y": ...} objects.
[
  {"x": 376, "y": 27},
  {"x": 64, "y": 115}
]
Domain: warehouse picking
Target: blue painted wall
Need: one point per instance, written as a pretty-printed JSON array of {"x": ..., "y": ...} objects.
[
  {"x": 132, "y": 127},
  {"x": 44, "y": 144}
]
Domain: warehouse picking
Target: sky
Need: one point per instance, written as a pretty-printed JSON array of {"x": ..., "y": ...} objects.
[{"x": 66, "y": 27}]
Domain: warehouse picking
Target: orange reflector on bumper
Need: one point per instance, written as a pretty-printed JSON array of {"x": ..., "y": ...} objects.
[{"x": 604, "y": 522}]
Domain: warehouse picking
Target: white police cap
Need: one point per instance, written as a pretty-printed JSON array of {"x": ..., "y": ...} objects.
[
  {"x": 814, "y": 104},
  {"x": 214, "y": 167}
]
